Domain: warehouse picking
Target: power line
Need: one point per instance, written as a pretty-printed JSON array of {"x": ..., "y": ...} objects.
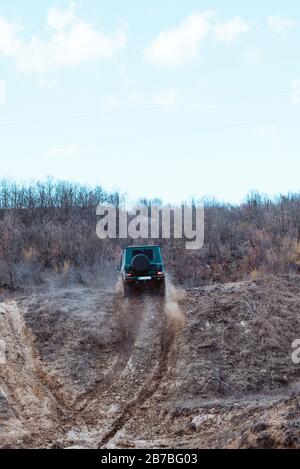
[
  {"x": 130, "y": 138},
  {"x": 141, "y": 109}
]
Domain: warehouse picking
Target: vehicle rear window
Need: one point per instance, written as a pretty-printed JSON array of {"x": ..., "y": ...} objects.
[{"x": 146, "y": 252}]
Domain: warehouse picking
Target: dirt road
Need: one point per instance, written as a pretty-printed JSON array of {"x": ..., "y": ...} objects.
[{"x": 210, "y": 367}]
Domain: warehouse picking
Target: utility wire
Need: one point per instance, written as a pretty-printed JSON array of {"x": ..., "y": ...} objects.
[
  {"x": 130, "y": 138},
  {"x": 141, "y": 109}
]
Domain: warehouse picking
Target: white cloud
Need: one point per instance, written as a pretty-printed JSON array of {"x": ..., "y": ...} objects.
[
  {"x": 59, "y": 19},
  {"x": 2, "y": 92},
  {"x": 180, "y": 45},
  {"x": 9, "y": 43},
  {"x": 166, "y": 98},
  {"x": 70, "y": 41},
  {"x": 231, "y": 29},
  {"x": 280, "y": 25},
  {"x": 296, "y": 91},
  {"x": 111, "y": 103}
]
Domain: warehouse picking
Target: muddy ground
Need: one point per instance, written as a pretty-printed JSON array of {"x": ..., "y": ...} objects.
[{"x": 206, "y": 367}]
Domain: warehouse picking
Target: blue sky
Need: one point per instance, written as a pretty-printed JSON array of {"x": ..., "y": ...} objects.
[{"x": 160, "y": 99}]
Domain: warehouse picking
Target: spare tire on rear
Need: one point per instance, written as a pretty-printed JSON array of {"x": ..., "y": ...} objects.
[{"x": 140, "y": 263}]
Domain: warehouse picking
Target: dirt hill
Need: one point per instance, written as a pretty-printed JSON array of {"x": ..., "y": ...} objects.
[{"x": 207, "y": 367}]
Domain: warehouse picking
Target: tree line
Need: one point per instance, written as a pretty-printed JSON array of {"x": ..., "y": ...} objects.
[{"x": 48, "y": 230}]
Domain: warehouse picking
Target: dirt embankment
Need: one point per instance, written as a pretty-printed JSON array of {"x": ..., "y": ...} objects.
[{"x": 209, "y": 367}]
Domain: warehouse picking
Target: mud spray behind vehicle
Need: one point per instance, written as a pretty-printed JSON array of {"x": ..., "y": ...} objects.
[{"x": 142, "y": 268}]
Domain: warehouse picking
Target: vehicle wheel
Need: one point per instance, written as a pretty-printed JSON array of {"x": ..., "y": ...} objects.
[
  {"x": 126, "y": 290},
  {"x": 162, "y": 289}
]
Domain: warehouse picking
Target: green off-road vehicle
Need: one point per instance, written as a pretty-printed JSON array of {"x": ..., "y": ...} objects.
[{"x": 142, "y": 268}]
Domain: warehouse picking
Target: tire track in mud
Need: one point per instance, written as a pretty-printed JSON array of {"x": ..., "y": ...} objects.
[
  {"x": 134, "y": 363},
  {"x": 72, "y": 410},
  {"x": 28, "y": 374},
  {"x": 10, "y": 329},
  {"x": 168, "y": 332},
  {"x": 130, "y": 317},
  {"x": 139, "y": 322}
]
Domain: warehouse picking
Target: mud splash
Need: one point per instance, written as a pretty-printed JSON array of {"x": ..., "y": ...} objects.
[{"x": 172, "y": 308}]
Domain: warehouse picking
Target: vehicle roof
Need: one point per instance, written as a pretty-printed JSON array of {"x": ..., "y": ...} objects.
[{"x": 143, "y": 247}]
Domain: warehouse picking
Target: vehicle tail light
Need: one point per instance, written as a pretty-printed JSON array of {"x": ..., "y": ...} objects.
[{"x": 160, "y": 273}]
